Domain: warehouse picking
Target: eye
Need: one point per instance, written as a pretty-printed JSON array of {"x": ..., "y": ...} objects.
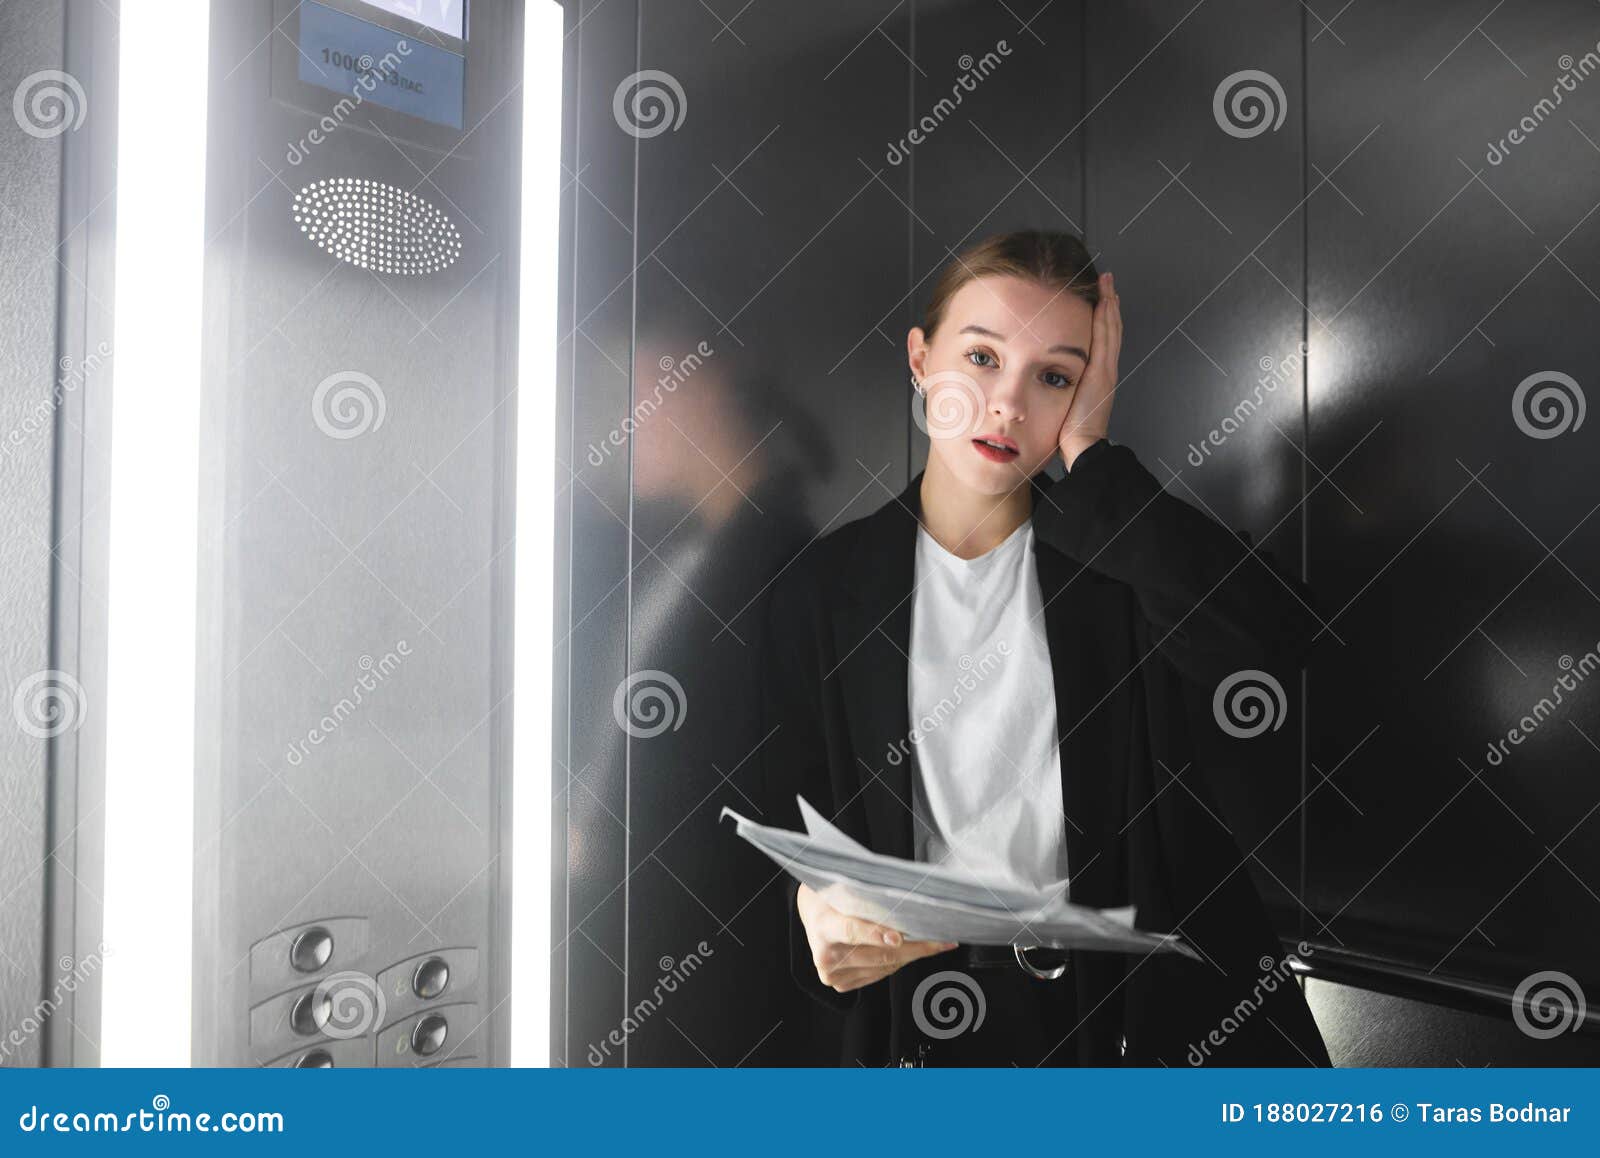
[
  {"x": 1061, "y": 380},
  {"x": 975, "y": 353}
]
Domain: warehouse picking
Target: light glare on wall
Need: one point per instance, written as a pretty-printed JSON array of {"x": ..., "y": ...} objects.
[
  {"x": 155, "y": 468},
  {"x": 537, "y": 455}
]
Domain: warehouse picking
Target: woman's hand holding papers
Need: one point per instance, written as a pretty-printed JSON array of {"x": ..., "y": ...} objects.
[{"x": 850, "y": 952}]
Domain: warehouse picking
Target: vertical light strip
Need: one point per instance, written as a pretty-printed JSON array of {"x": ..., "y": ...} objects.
[
  {"x": 535, "y": 550},
  {"x": 154, "y": 518}
]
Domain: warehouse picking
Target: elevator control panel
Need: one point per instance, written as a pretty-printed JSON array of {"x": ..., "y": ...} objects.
[
  {"x": 352, "y": 789},
  {"x": 322, "y": 1004}
]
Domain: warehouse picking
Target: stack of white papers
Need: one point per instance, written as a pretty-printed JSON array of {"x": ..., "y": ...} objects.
[{"x": 936, "y": 902}]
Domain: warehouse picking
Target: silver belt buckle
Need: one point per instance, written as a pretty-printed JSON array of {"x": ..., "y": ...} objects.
[
  {"x": 907, "y": 1062},
  {"x": 1033, "y": 971}
]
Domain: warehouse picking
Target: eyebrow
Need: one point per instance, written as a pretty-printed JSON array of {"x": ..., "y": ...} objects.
[{"x": 1076, "y": 351}]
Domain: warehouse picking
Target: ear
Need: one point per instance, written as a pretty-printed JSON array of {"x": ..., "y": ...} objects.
[{"x": 916, "y": 350}]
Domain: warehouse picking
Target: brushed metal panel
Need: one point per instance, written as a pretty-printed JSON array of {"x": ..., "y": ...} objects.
[
  {"x": 57, "y": 167},
  {"x": 31, "y": 39},
  {"x": 355, "y": 577}
]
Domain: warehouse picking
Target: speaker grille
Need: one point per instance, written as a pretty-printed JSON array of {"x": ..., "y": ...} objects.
[{"x": 377, "y": 226}]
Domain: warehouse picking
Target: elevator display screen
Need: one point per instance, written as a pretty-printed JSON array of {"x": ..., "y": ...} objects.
[
  {"x": 446, "y": 16},
  {"x": 367, "y": 62}
]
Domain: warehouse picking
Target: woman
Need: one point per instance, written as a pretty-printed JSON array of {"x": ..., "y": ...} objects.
[{"x": 1055, "y": 643}]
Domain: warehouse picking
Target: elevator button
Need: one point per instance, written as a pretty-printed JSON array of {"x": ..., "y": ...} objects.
[
  {"x": 311, "y": 950},
  {"x": 431, "y": 978},
  {"x": 317, "y": 1059},
  {"x": 429, "y": 1034},
  {"x": 310, "y": 1012}
]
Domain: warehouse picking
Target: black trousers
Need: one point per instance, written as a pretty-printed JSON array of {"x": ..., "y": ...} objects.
[{"x": 968, "y": 1012}]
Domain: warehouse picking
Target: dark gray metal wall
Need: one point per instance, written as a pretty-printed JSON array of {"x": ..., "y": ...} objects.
[
  {"x": 57, "y": 224},
  {"x": 1328, "y": 320},
  {"x": 1450, "y": 533}
]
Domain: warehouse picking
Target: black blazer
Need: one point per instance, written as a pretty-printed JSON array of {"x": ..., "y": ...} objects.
[{"x": 1149, "y": 604}]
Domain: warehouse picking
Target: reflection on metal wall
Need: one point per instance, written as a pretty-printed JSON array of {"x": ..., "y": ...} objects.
[
  {"x": 1452, "y": 347},
  {"x": 1358, "y": 322}
]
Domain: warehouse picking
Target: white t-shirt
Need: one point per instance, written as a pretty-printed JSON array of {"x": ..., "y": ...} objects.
[{"x": 986, "y": 781}]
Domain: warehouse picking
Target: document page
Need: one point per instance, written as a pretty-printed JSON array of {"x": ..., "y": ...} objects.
[{"x": 937, "y": 902}]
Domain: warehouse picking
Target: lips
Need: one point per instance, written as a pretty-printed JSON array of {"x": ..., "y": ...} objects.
[{"x": 996, "y": 447}]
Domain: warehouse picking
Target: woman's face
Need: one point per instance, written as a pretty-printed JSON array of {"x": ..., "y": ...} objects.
[{"x": 1003, "y": 365}]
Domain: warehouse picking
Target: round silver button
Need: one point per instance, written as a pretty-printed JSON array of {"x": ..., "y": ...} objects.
[
  {"x": 311, "y": 950},
  {"x": 310, "y": 1012},
  {"x": 317, "y": 1059},
  {"x": 427, "y": 1037},
  {"x": 431, "y": 978}
]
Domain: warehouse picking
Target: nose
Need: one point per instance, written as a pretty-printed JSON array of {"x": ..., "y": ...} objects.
[{"x": 1005, "y": 399}]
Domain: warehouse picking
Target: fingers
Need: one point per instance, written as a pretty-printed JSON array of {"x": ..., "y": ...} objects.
[
  {"x": 1113, "y": 323},
  {"x": 1107, "y": 336},
  {"x": 853, "y": 951},
  {"x": 836, "y": 926},
  {"x": 860, "y": 965},
  {"x": 837, "y": 955},
  {"x": 858, "y": 931},
  {"x": 930, "y": 948}
]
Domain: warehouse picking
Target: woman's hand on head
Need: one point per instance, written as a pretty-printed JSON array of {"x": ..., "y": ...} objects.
[
  {"x": 850, "y": 952},
  {"x": 1089, "y": 416}
]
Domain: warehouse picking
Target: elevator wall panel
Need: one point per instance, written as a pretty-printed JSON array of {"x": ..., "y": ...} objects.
[
  {"x": 1353, "y": 300},
  {"x": 58, "y": 67},
  {"x": 596, "y": 339},
  {"x": 31, "y": 39},
  {"x": 1453, "y": 318},
  {"x": 769, "y": 408},
  {"x": 1198, "y": 213}
]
